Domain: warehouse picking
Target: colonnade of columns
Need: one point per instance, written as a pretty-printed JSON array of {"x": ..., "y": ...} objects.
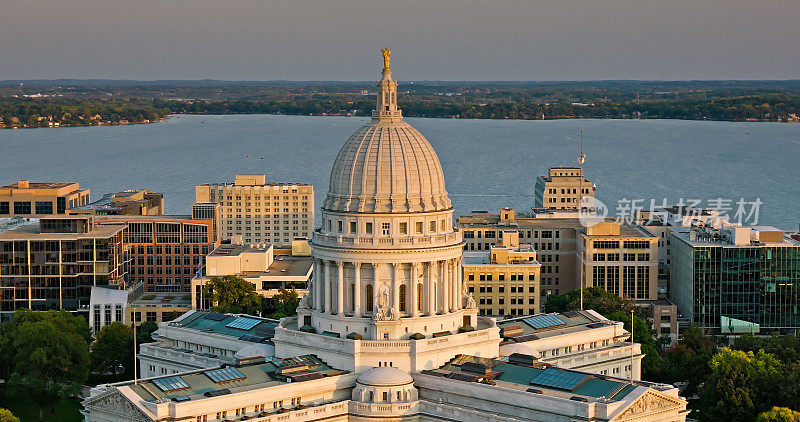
[{"x": 340, "y": 288}]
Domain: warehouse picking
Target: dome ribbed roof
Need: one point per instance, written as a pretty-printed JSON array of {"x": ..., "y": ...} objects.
[
  {"x": 384, "y": 376},
  {"x": 387, "y": 166}
]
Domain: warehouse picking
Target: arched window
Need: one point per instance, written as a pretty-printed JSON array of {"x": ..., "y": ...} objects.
[
  {"x": 419, "y": 297},
  {"x": 368, "y": 293},
  {"x": 402, "y": 298}
]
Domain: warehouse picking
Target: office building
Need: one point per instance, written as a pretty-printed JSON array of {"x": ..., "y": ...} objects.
[
  {"x": 732, "y": 279},
  {"x": 261, "y": 211},
  {"x": 561, "y": 188},
  {"x": 505, "y": 280},
  {"x": 621, "y": 259},
  {"x": 127, "y": 202},
  {"x": 32, "y": 200},
  {"x": 566, "y": 250},
  {"x": 53, "y": 263},
  {"x": 167, "y": 250}
]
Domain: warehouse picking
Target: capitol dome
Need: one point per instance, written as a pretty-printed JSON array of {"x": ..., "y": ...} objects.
[
  {"x": 387, "y": 166},
  {"x": 384, "y": 376}
]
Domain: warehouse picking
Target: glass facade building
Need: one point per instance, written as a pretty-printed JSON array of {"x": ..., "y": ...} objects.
[{"x": 758, "y": 283}]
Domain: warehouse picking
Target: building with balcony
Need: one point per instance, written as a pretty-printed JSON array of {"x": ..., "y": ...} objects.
[
  {"x": 53, "y": 263},
  {"x": 261, "y": 211},
  {"x": 40, "y": 199},
  {"x": 506, "y": 279}
]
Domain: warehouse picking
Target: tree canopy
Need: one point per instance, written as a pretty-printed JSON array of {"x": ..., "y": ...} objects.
[
  {"x": 47, "y": 354},
  {"x": 7, "y": 416},
  {"x": 285, "y": 303},
  {"x": 112, "y": 351},
  {"x": 779, "y": 414},
  {"x": 232, "y": 294}
]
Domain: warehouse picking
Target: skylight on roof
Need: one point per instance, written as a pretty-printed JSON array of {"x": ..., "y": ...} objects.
[
  {"x": 544, "y": 321},
  {"x": 560, "y": 379},
  {"x": 243, "y": 323},
  {"x": 170, "y": 384},
  {"x": 225, "y": 374}
]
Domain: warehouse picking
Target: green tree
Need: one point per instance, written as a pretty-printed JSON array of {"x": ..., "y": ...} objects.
[
  {"x": 232, "y": 294},
  {"x": 112, "y": 351},
  {"x": 644, "y": 335},
  {"x": 741, "y": 385},
  {"x": 7, "y": 416},
  {"x": 285, "y": 303},
  {"x": 779, "y": 414},
  {"x": 144, "y": 333},
  {"x": 687, "y": 361},
  {"x": 594, "y": 298},
  {"x": 50, "y": 363}
]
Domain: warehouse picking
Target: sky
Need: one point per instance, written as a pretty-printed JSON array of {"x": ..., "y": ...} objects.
[{"x": 430, "y": 39}]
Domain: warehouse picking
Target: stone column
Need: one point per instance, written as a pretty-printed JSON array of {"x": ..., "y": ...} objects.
[
  {"x": 357, "y": 289},
  {"x": 396, "y": 286},
  {"x": 413, "y": 285},
  {"x": 327, "y": 288},
  {"x": 459, "y": 284},
  {"x": 445, "y": 283},
  {"x": 317, "y": 292},
  {"x": 340, "y": 289},
  {"x": 430, "y": 308},
  {"x": 456, "y": 294}
]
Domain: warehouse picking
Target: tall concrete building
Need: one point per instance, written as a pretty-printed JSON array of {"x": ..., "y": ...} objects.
[
  {"x": 261, "y": 211},
  {"x": 53, "y": 263},
  {"x": 733, "y": 279},
  {"x": 562, "y": 188},
  {"x": 32, "y": 200},
  {"x": 506, "y": 279}
]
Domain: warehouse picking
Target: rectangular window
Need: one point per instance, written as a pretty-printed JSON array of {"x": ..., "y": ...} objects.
[
  {"x": 339, "y": 226},
  {"x": 368, "y": 228},
  {"x": 403, "y": 228},
  {"x": 22, "y": 207},
  {"x": 44, "y": 207},
  {"x": 419, "y": 227},
  {"x": 4, "y": 209},
  {"x": 386, "y": 229},
  {"x": 352, "y": 227}
]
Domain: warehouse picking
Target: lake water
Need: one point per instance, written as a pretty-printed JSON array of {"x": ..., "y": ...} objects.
[{"x": 487, "y": 163}]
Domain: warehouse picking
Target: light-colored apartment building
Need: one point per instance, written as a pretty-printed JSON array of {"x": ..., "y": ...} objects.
[
  {"x": 261, "y": 211},
  {"x": 504, "y": 280},
  {"x": 561, "y": 188},
  {"x": 621, "y": 259},
  {"x": 34, "y": 199}
]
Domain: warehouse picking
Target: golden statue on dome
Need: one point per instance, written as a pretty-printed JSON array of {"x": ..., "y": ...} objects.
[{"x": 387, "y": 53}]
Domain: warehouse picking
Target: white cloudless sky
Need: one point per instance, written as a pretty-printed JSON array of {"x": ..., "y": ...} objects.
[{"x": 430, "y": 39}]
